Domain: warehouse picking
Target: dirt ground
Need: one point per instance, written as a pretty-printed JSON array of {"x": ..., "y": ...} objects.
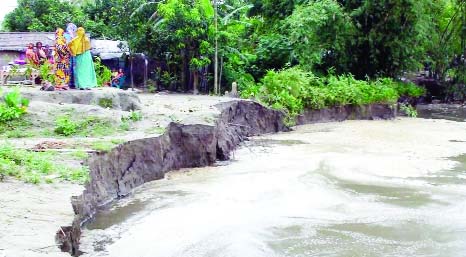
[{"x": 31, "y": 214}]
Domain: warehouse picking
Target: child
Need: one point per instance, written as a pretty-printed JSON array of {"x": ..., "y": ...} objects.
[{"x": 117, "y": 76}]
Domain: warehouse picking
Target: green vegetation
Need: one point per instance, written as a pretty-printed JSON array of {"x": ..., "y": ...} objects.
[
  {"x": 104, "y": 75},
  {"x": 88, "y": 126},
  {"x": 46, "y": 72},
  {"x": 106, "y": 146},
  {"x": 133, "y": 116},
  {"x": 12, "y": 111},
  {"x": 13, "y": 107},
  {"x": 65, "y": 126},
  {"x": 409, "y": 110},
  {"x": 293, "y": 89},
  {"x": 37, "y": 167},
  {"x": 106, "y": 102},
  {"x": 156, "y": 130},
  {"x": 16, "y": 132},
  {"x": 370, "y": 39},
  {"x": 18, "y": 128},
  {"x": 78, "y": 155},
  {"x": 126, "y": 121},
  {"x": 125, "y": 126}
]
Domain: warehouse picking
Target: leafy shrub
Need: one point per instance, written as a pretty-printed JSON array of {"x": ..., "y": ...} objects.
[
  {"x": 125, "y": 126},
  {"x": 409, "y": 110},
  {"x": 65, "y": 126},
  {"x": 292, "y": 90},
  {"x": 45, "y": 71},
  {"x": 14, "y": 106},
  {"x": 409, "y": 89},
  {"x": 251, "y": 90},
  {"x": 103, "y": 74},
  {"x": 133, "y": 116},
  {"x": 90, "y": 126}
]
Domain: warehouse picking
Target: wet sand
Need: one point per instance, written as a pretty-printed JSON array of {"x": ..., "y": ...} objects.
[{"x": 31, "y": 214}]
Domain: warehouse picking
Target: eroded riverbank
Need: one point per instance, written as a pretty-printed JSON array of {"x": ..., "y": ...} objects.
[
  {"x": 363, "y": 188},
  {"x": 31, "y": 214}
]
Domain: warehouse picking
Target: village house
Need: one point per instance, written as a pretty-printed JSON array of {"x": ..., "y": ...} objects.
[
  {"x": 13, "y": 44},
  {"x": 13, "y": 48}
]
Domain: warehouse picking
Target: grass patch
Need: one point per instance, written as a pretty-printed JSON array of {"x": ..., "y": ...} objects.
[
  {"x": 89, "y": 126},
  {"x": 125, "y": 126},
  {"x": 13, "y": 106},
  {"x": 156, "y": 130},
  {"x": 133, "y": 116},
  {"x": 19, "y": 128},
  {"x": 106, "y": 102},
  {"x": 106, "y": 146},
  {"x": 37, "y": 167},
  {"x": 78, "y": 155},
  {"x": 126, "y": 121}
]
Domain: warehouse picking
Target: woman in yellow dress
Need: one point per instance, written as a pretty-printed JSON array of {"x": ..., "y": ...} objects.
[
  {"x": 84, "y": 72},
  {"x": 62, "y": 61}
]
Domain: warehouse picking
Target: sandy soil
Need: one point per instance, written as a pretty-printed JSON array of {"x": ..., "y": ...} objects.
[
  {"x": 31, "y": 214},
  {"x": 158, "y": 111}
]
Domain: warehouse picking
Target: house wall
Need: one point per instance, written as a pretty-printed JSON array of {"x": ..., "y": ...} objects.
[{"x": 8, "y": 56}]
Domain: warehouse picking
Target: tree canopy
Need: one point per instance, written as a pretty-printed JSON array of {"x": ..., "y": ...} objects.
[{"x": 367, "y": 38}]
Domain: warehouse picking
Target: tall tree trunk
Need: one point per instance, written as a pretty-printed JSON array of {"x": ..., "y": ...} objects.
[
  {"x": 195, "y": 82},
  {"x": 185, "y": 69},
  {"x": 220, "y": 76}
]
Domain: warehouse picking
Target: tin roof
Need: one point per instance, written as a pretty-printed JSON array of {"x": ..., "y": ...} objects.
[{"x": 17, "y": 41}]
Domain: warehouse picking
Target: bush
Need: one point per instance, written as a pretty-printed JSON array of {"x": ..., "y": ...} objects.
[
  {"x": 133, "y": 116},
  {"x": 292, "y": 90},
  {"x": 409, "y": 89},
  {"x": 103, "y": 74},
  {"x": 65, "y": 126},
  {"x": 409, "y": 110},
  {"x": 45, "y": 71},
  {"x": 14, "y": 106},
  {"x": 90, "y": 126}
]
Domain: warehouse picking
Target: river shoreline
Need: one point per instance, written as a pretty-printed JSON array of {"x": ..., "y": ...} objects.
[
  {"x": 202, "y": 113},
  {"x": 115, "y": 173},
  {"x": 373, "y": 187}
]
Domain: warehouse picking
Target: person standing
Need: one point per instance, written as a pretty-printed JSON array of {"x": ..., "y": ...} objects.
[
  {"x": 69, "y": 35},
  {"x": 40, "y": 53},
  {"x": 31, "y": 57},
  {"x": 84, "y": 72},
  {"x": 62, "y": 61},
  {"x": 49, "y": 53}
]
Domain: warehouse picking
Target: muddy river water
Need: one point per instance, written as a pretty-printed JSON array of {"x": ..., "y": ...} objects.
[{"x": 355, "y": 188}]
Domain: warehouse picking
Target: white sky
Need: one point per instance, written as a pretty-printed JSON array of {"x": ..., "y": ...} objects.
[{"x": 6, "y": 6}]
